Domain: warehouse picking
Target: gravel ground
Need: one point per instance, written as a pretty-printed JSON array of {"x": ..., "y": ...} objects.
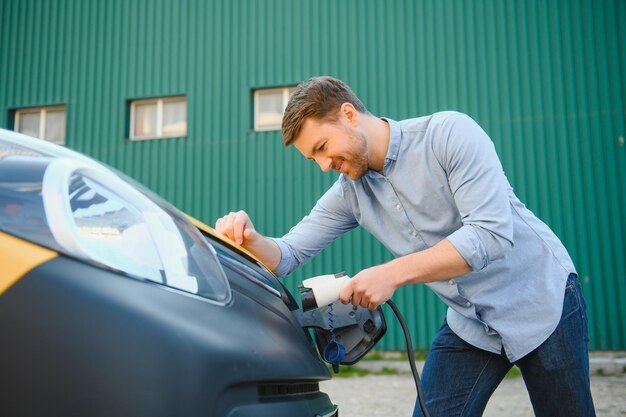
[{"x": 394, "y": 395}]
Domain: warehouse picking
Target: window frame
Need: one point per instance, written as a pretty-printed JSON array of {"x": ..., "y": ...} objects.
[
  {"x": 43, "y": 111},
  {"x": 159, "y": 101},
  {"x": 286, "y": 93}
]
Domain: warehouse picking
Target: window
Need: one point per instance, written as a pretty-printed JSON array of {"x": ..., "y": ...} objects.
[
  {"x": 42, "y": 122},
  {"x": 158, "y": 118},
  {"x": 269, "y": 106}
]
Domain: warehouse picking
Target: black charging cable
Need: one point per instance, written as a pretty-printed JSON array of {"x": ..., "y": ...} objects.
[{"x": 409, "y": 348}]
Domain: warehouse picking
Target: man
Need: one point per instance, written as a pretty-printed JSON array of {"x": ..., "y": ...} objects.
[{"x": 432, "y": 190}]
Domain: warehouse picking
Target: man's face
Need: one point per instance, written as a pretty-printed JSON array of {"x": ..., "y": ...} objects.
[{"x": 334, "y": 145}]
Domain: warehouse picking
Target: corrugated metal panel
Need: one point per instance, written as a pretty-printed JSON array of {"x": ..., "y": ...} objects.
[{"x": 544, "y": 78}]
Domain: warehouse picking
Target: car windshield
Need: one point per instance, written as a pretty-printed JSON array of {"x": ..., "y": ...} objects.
[{"x": 72, "y": 204}]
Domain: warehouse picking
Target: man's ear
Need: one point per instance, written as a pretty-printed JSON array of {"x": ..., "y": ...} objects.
[{"x": 351, "y": 114}]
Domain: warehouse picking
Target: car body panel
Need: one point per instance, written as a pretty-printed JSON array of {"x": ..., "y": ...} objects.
[{"x": 86, "y": 341}]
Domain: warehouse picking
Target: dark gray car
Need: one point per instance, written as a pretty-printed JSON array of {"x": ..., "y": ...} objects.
[{"x": 114, "y": 303}]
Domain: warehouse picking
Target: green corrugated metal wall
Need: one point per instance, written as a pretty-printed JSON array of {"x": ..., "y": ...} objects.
[{"x": 546, "y": 79}]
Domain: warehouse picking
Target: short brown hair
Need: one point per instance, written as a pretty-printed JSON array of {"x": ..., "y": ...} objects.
[{"x": 319, "y": 98}]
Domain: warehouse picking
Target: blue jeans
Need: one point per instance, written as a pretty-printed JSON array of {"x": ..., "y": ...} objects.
[{"x": 458, "y": 378}]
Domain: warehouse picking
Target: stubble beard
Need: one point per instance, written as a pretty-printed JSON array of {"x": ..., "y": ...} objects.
[{"x": 357, "y": 158}]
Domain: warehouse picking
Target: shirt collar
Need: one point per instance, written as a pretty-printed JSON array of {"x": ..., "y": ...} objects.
[{"x": 395, "y": 137}]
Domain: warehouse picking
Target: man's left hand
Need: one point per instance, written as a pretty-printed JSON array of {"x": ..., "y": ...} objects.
[{"x": 369, "y": 288}]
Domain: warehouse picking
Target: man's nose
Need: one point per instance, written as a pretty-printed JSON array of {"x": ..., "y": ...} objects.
[{"x": 325, "y": 163}]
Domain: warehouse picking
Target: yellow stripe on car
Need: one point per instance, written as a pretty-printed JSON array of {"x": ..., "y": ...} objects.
[
  {"x": 17, "y": 257},
  {"x": 211, "y": 231}
]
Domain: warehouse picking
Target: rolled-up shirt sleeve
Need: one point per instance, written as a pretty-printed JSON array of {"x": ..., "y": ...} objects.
[
  {"x": 480, "y": 191},
  {"x": 330, "y": 218}
]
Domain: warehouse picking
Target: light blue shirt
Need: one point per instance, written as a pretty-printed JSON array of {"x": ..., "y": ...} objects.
[{"x": 442, "y": 179}]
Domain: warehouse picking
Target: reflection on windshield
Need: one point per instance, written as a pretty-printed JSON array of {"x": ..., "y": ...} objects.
[{"x": 21, "y": 211}]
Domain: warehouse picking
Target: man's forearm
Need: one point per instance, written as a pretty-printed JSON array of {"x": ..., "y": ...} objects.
[
  {"x": 437, "y": 263},
  {"x": 373, "y": 286},
  {"x": 266, "y": 250}
]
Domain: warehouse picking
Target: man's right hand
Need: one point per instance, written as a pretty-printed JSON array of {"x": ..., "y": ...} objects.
[{"x": 238, "y": 227}]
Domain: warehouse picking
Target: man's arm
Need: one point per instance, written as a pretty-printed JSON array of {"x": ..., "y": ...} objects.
[
  {"x": 330, "y": 218},
  {"x": 373, "y": 286}
]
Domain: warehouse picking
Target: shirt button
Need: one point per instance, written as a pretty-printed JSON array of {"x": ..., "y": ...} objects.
[
  {"x": 398, "y": 206},
  {"x": 413, "y": 233},
  {"x": 468, "y": 304},
  {"x": 451, "y": 282}
]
